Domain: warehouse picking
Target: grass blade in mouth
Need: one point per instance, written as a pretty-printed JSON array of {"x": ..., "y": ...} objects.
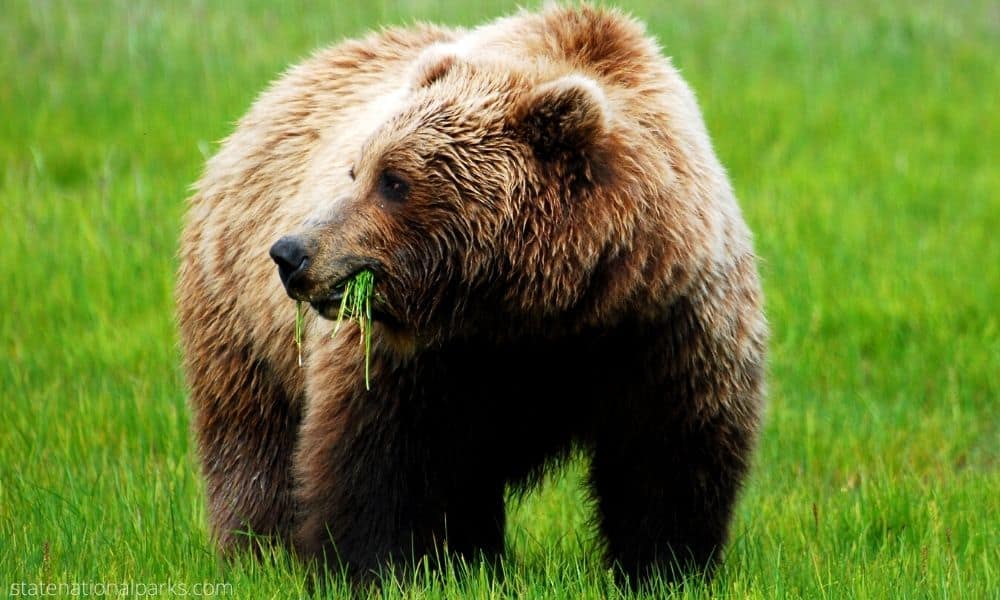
[
  {"x": 300, "y": 323},
  {"x": 355, "y": 304}
]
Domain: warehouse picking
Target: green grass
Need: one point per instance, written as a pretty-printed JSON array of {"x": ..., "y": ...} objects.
[
  {"x": 357, "y": 305},
  {"x": 862, "y": 140}
]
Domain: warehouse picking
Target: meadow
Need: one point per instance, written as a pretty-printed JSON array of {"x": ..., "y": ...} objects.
[{"x": 862, "y": 141}]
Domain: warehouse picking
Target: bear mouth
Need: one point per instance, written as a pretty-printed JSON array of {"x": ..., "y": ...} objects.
[{"x": 328, "y": 306}]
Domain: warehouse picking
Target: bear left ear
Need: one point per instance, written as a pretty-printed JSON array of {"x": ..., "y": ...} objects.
[{"x": 566, "y": 116}]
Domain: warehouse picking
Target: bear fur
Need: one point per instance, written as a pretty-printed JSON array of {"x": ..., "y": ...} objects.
[{"x": 560, "y": 263}]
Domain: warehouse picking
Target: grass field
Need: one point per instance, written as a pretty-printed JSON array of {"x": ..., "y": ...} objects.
[{"x": 862, "y": 139}]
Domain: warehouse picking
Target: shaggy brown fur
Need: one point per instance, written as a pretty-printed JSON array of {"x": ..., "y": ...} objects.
[{"x": 560, "y": 262}]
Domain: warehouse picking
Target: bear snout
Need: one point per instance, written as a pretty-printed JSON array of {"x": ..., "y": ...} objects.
[{"x": 292, "y": 256}]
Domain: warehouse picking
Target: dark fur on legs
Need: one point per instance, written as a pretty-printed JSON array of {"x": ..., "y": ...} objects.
[
  {"x": 664, "y": 500},
  {"x": 383, "y": 481}
]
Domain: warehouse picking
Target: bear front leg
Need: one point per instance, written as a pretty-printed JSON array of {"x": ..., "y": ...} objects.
[
  {"x": 376, "y": 490},
  {"x": 665, "y": 496},
  {"x": 246, "y": 428}
]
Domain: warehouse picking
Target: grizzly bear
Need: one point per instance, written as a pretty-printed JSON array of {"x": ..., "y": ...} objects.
[{"x": 560, "y": 263}]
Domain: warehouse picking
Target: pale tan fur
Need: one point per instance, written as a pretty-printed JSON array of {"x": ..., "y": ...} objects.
[{"x": 288, "y": 160}]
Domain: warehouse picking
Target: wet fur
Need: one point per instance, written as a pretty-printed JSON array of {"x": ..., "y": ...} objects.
[{"x": 571, "y": 270}]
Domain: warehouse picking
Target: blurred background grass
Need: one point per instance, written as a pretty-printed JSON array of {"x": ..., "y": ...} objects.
[{"x": 861, "y": 139}]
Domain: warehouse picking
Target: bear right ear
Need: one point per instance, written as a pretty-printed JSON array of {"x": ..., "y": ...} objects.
[
  {"x": 432, "y": 64},
  {"x": 566, "y": 116}
]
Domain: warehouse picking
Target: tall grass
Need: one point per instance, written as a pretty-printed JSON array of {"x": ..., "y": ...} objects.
[{"x": 860, "y": 137}]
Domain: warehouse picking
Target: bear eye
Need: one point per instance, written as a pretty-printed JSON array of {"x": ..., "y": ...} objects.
[
  {"x": 350, "y": 173},
  {"x": 392, "y": 186}
]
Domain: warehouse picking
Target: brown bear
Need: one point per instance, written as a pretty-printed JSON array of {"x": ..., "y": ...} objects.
[{"x": 559, "y": 262}]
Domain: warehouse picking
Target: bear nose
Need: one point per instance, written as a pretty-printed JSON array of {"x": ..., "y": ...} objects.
[{"x": 291, "y": 256}]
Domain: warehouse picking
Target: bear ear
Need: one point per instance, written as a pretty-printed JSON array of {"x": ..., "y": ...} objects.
[
  {"x": 432, "y": 64},
  {"x": 566, "y": 116}
]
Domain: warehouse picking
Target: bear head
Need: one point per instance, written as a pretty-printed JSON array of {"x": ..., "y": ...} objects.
[{"x": 484, "y": 204}]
